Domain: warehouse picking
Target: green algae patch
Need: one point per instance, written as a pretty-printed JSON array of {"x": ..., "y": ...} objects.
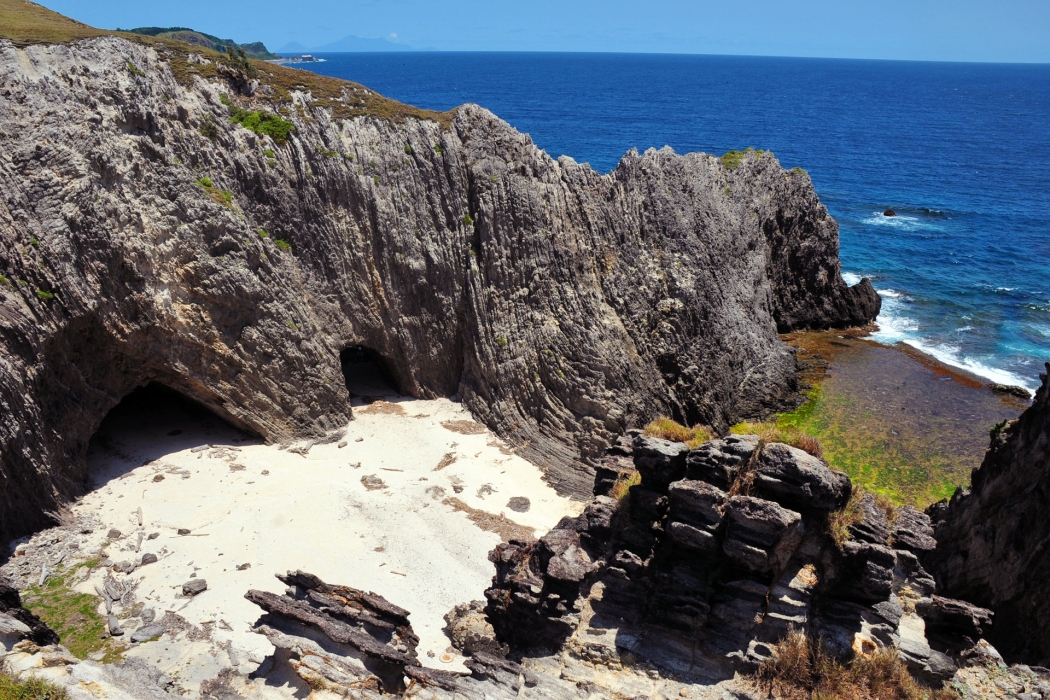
[
  {"x": 900, "y": 424},
  {"x": 73, "y": 616}
]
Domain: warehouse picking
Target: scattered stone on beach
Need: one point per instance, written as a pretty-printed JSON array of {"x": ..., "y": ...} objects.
[
  {"x": 243, "y": 567},
  {"x": 125, "y": 567},
  {"x": 114, "y": 626},
  {"x": 113, "y": 534},
  {"x": 372, "y": 482},
  {"x": 153, "y": 536},
  {"x": 149, "y": 558},
  {"x": 194, "y": 587},
  {"x": 148, "y": 615},
  {"x": 519, "y": 504},
  {"x": 158, "y": 478},
  {"x": 183, "y": 531},
  {"x": 144, "y": 634}
]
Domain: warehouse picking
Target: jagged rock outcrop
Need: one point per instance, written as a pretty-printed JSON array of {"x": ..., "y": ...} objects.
[
  {"x": 991, "y": 540},
  {"x": 702, "y": 576},
  {"x": 138, "y": 243},
  {"x": 17, "y": 623}
]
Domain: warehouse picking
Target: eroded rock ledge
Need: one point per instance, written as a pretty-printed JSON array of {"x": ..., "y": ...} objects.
[
  {"x": 992, "y": 538},
  {"x": 563, "y": 306}
]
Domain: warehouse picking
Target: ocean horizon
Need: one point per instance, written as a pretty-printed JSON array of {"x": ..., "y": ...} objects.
[{"x": 963, "y": 270}]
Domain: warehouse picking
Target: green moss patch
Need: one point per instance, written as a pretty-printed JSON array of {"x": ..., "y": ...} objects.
[{"x": 73, "y": 616}]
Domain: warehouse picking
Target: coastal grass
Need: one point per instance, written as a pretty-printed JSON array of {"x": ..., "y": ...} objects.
[
  {"x": 840, "y": 521},
  {"x": 667, "y": 429},
  {"x": 26, "y": 23},
  {"x": 801, "y": 669},
  {"x": 31, "y": 688},
  {"x": 72, "y": 615}
]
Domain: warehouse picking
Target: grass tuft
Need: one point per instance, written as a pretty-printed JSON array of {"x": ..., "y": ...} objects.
[
  {"x": 667, "y": 429},
  {"x": 622, "y": 488},
  {"x": 800, "y": 669},
  {"x": 282, "y": 245},
  {"x": 772, "y": 432},
  {"x": 73, "y": 616},
  {"x": 32, "y": 688}
]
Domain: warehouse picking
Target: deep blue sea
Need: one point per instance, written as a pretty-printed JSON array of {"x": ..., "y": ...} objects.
[{"x": 960, "y": 151}]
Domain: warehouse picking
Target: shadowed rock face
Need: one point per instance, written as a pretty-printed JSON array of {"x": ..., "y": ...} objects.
[
  {"x": 563, "y": 306},
  {"x": 991, "y": 540}
]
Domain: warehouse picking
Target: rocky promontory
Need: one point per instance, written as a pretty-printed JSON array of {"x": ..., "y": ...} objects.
[{"x": 154, "y": 229}]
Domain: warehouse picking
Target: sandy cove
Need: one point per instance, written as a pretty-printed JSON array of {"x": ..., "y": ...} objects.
[{"x": 397, "y": 506}]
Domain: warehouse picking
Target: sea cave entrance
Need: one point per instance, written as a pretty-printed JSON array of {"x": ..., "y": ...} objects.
[
  {"x": 367, "y": 374},
  {"x": 149, "y": 423}
]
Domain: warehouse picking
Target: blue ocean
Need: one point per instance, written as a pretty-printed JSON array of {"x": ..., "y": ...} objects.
[{"x": 961, "y": 152}]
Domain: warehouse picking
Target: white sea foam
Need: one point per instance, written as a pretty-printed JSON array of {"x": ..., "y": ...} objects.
[
  {"x": 896, "y": 327},
  {"x": 906, "y": 223},
  {"x": 851, "y": 278},
  {"x": 964, "y": 329}
]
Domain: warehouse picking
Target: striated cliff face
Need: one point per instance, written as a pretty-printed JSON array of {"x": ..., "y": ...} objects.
[
  {"x": 563, "y": 306},
  {"x": 992, "y": 539}
]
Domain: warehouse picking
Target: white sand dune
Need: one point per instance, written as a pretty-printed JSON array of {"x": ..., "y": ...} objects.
[{"x": 245, "y": 502}]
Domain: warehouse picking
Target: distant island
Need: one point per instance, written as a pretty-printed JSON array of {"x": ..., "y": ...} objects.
[
  {"x": 350, "y": 43},
  {"x": 256, "y": 49}
]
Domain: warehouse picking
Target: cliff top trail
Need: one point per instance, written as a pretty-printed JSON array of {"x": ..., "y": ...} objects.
[{"x": 227, "y": 228}]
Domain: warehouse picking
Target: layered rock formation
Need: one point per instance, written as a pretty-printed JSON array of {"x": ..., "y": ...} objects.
[
  {"x": 992, "y": 539},
  {"x": 716, "y": 556},
  {"x": 139, "y": 230}
]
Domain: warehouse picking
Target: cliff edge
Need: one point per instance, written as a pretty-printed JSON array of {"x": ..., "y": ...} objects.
[
  {"x": 227, "y": 229},
  {"x": 991, "y": 539}
]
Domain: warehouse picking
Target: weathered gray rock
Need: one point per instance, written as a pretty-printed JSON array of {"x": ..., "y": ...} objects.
[
  {"x": 956, "y": 624},
  {"x": 12, "y": 631},
  {"x": 799, "y": 480},
  {"x": 194, "y": 587},
  {"x": 863, "y": 572},
  {"x": 562, "y": 305},
  {"x": 695, "y": 516},
  {"x": 760, "y": 535},
  {"x": 913, "y": 530},
  {"x": 659, "y": 461},
  {"x": 114, "y": 627},
  {"x": 991, "y": 540},
  {"x": 144, "y": 634},
  {"x": 874, "y": 526},
  {"x": 718, "y": 461},
  {"x": 149, "y": 558}
]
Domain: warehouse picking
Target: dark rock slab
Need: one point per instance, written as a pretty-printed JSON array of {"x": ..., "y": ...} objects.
[
  {"x": 874, "y": 526},
  {"x": 913, "y": 531},
  {"x": 799, "y": 480},
  {"x": 760, "y": 535},
  {"x": 717, "y": 462},
  {"x": 659, "y": 461}
]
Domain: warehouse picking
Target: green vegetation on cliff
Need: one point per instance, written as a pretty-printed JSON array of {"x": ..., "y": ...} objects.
[
  {"x": 26, "y": 23},
  {"x": 254, "y": 50}
]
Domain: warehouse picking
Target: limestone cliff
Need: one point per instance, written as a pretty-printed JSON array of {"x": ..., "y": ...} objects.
[
  {"x": 146, "y": 236},
  {"x": 992, "y": 539}
]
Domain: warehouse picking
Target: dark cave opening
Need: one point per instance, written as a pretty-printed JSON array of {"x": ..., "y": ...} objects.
[
  {"x": 150, "y": 422},
  {"x": 367, "y": 374}
]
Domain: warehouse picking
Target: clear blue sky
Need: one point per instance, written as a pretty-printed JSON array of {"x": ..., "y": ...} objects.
[{"x": 947, "y": 30}]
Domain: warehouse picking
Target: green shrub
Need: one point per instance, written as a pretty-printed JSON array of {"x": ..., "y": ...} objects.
[
  {"x": 209, "y": 129},
  {"x": 263, "y": 123},
  {"x": 205, "y": 182},
  {"x": 438, "y": 148},
  {"x": 44, "y": 294},
  {"x": 262, "y": 233},
  {"x": 327, "y": 152},
  {"x": 34, "y": 242},
  {"x": 268, "y": 153},
  {"x": 134, "y": 70},
  {"x": 468, "y": 220},
  {"x": 408, "y": 149},
  {"x": 501, "y": 341},
  {"x": 4, "y": 280},
  {"x": 282, "y": 245},
  {"x": 375, "y": 179}
]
